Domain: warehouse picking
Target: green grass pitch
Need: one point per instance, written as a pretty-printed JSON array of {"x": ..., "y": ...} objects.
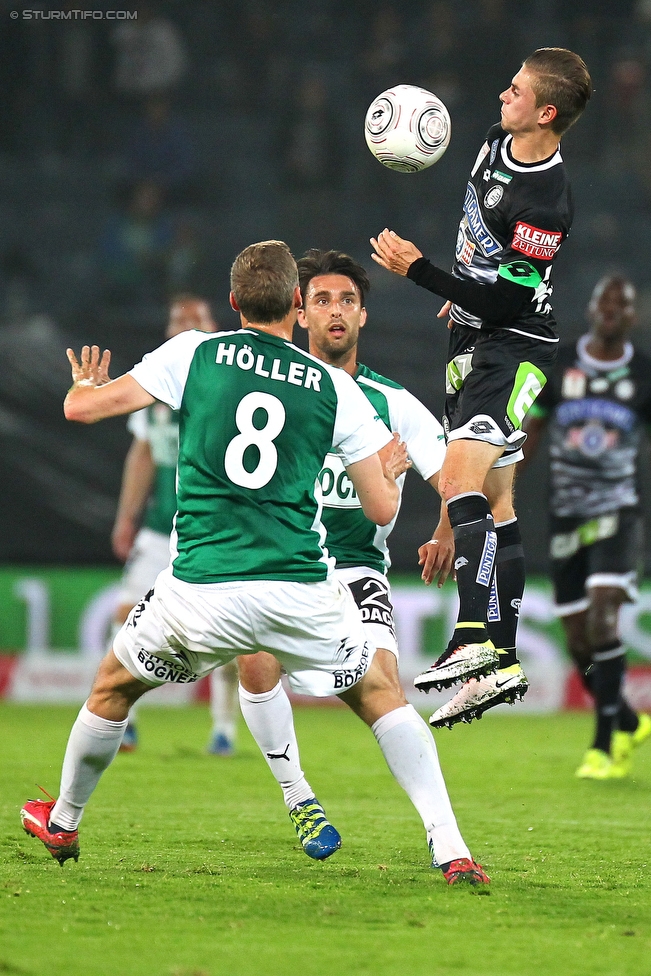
[{"x": 190, "y": 867}]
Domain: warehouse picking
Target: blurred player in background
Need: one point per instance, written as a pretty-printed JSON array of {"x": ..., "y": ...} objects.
[
  {"x": 147, "y": 505},
  {"x": 249, "y": 571},
  {"x": 597, "y": 404},
  {"x": 333, "y": 289},
  {"x": 516, "y": 213}
]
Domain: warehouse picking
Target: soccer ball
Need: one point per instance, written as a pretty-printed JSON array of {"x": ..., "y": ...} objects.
[{"x": 407, "y": 128}]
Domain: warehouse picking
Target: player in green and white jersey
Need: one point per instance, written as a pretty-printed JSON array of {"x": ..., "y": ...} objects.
[
  {"x": 249, "y": 570},
  {"x": 144, "y": 519},
  {"x": 333, "y": 287}
]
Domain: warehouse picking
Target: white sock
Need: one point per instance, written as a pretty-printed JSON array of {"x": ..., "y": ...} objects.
[
  {"x": 408, "y": 747},
  {"x": 224, "y": 700},
  {"x": 92, "y": 746},
  {"x": 271, "y": 723}
]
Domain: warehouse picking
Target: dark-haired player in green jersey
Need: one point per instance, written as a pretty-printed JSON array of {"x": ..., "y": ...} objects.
[{"x": 333, "y": 287}]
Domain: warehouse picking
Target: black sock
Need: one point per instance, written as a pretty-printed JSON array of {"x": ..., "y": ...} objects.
[
  {"x": 606, "y": 677},
  {"x": 56, "y": 829},
  {"x": 627, "y": 719},
  {"x": 506, "y": 592},
  {"x": 475, "y": 545},
  {"x": 587, "y": 678}
]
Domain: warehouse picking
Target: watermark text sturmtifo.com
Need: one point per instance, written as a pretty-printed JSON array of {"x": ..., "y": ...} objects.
[{"x": 74, "y": 14}]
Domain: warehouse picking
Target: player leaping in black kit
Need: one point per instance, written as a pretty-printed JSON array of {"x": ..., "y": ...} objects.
[
  {"x": 597, "y": 403},
  {"x": 517, "y": 212}
]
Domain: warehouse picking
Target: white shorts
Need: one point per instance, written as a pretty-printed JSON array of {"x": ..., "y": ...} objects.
[
  {"x": 186, "y": 630},
  {"x": 149, "y": 556},
  {"x": 372, "y": 594}
]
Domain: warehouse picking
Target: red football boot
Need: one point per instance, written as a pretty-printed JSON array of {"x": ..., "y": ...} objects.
[
  {"x": 465, "y": 869},
  {"x": 35, "y": 816}
]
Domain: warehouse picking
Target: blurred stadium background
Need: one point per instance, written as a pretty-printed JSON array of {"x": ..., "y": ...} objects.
[{"x": 139, "y": 154}]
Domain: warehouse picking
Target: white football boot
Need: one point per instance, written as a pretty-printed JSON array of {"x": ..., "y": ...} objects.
[
  {"x": 464, "y": 662},
  {"x": 479, "y": 694}
]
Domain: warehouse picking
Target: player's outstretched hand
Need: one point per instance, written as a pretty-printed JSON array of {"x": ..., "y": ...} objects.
[
  {"x": 91, "y": 370},
  {"x": 394, "y": 457},
  {"x": 394, "y": 253},
  {"x": 437, "y": 556}
]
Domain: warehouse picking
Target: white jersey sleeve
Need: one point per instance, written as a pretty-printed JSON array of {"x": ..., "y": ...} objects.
[
  {"x": 138, "y": 424},
  {"x": 358, "y": 432},
  {"x": 419, "y": 429},
  {"x": 164, "y": 372}
]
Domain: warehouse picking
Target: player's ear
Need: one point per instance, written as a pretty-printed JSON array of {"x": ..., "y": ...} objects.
[
  {"x": 233, "y": 302},
  {"x": 362, "y": 318},
  {"x": 298, "y": 298},
  {"x": 300, "y": 317},
  {"x": 547, "y": 114}
]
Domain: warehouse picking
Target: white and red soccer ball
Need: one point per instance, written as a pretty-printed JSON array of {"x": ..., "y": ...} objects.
[{"x": 407, "y": 128}]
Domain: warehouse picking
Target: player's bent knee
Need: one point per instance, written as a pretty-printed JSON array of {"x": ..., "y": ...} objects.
[{"x": 258, "y": 673}]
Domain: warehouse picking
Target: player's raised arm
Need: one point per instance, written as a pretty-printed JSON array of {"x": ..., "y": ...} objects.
[{"x": 93, "y": 395}]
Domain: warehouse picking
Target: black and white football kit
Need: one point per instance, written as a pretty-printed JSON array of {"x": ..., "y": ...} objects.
[
  {"x": 597, "y": 411},
  {"x": 503, "y": 341}
]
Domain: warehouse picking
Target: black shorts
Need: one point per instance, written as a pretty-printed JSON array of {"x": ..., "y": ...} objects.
[
  {"x": 602, "y": 551},
  {"x": 492, "y": 380}
]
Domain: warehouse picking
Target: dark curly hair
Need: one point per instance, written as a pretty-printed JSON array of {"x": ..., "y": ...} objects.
[{"x": 315, "y": 263}]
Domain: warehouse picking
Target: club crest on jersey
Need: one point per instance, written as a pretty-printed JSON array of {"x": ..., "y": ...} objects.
[
  {"x": 493, "y": 197},
  {"x": 537, "y": 243},
  {"x": 591, "y": 440}
]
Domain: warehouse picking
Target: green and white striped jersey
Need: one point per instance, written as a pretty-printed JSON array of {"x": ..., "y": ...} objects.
[
  {"x": 257, "y": 416},
  {"x": 352, "y": 539},
  {"x": 159, "y": 426}
]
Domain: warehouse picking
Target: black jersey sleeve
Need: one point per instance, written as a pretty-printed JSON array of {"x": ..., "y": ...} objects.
[{"x": 497, "y": 303}]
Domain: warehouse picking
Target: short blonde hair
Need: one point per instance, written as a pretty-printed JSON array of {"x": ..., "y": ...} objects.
[{"x": 560, "y": 78}]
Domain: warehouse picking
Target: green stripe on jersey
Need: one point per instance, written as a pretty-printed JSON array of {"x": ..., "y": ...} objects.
[{"x": 520, "y": 272}]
